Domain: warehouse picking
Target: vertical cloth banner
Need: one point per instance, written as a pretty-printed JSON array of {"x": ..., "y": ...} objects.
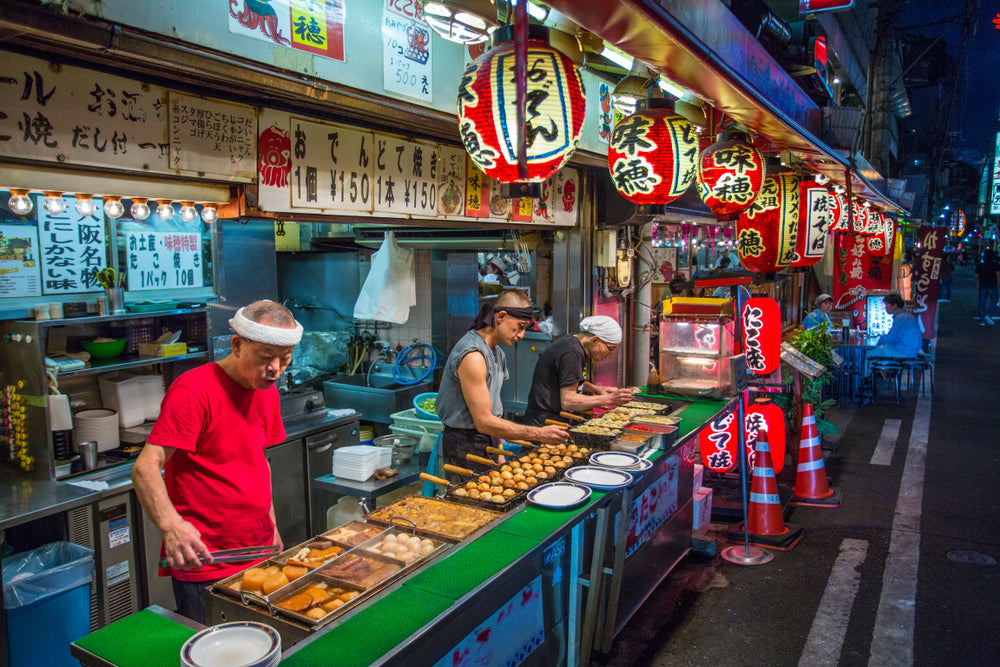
[
  {"x": 855, "y": 273},
  {"x": 927, "y": 277}
]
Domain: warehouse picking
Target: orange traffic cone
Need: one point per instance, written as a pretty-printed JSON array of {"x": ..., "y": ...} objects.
[
  {"x": 765, "y": 520},
  {"x": 811, "y": 487}
]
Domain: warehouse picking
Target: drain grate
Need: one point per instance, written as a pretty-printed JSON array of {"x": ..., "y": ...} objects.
[{"x": 970, "y": 557}]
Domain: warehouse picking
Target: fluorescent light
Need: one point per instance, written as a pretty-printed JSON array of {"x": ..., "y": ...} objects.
[
  {"x": 617, "y": 58},
  {"x": 671, "y": 88},
  {"x": 534, "y": 11}
]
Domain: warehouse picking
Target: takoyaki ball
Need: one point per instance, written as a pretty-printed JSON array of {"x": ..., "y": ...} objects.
[
  {"x": 496, "y": 489},
  {"x": 473, "y": 493},
  {"x": 531, "y": 480},
  {"x": 486, "y": 496},
  {"x": 484, "y": 486},
  {"x": 522, "y": 486},
  {"x": 537, "y": 466},
  {"x": 499, "y": 500},
  {"x": 542, "y": 475},
  {"x": 543, "y": 456},
  {"x": 559, "y": 464},
  {"x": 572, "y": 448},
  {"x": 550, "y": 470},
  {"x": 525, "y": 459},
  {"x": 509, "y": 493},
  {"x": 509, "y": 484},
  {"x": 494, "y": 474},
  {"x": 484, "y": 478},
  {"x": 461, "y": 492},
  {"x": 567, "y": 459},
  {"x": 471, "y": 485},
  {"x": 519, "y": 477},
  {"x": 506, "y": 474}
]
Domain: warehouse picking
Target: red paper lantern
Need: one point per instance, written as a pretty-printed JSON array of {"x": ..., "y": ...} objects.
[
  {"x": 876, "y": 241},
  {"x": 815, "y": 216},
  {"x": 762, "y": 334},
  {"x": 765, "y": 232},
  {"x": 730, "y": 174},
  {"x": 718, "y": 443},
  {"x": 889, "y": 233},
  {"x": 838, "y": 213},
  {"x": 651, "y": 154},
  {"x": 765, "y": 415},
  {"x": 859, "y": 221},
  {"x": 487, "y": 109}
]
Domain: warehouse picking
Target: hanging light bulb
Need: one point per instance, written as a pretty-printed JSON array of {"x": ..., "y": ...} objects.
[
  {"x": 165, "y": 211},
  {"x": 462, "y": 21},
  {"x": 113, "y": 207},
  {"x": 85, "y": 205},
  {"x": 188, "y": 212},
  {"x": 140, "y": 209},
  {"x": 209, "y": 213},
  {"x": 20, "y": 202},
  {"x": 54, "y": 203}
]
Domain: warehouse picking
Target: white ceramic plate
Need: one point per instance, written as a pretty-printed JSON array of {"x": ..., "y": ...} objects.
[
  {"x": 237, "y": 643},
  {"x": 614, "y": 459},
  {"x": 598, "y": 478},
  {"x": 642, "y": 466},
  {"x": 559, "y": 495}
]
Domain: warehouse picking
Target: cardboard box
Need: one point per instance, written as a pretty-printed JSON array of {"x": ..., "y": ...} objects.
[
  {"x": 702, "y": 508},
  {"x": 162, "y": 350},
  {"x": 699, "y": 476}
]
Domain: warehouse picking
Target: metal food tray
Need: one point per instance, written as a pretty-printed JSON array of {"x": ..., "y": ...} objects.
[
  {"x": 664, "y": 404},
  {"x": 596, "y": 441},
  {"x": 303, "y": 582},
  {"x": 392, "y": 514},
  {"x": 360, "y": 525},
  {"x": 371, "y": 556},
  {"x": 440, "y": 544},
  {"x": 225, "y": 586}
]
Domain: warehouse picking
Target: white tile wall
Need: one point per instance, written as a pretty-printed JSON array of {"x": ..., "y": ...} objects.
[{"x": 418, "y": 326}]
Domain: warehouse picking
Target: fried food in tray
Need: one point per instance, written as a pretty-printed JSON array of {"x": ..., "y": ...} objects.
[
  {"x": 436, "y": 517},
  {"x": 362, "y": 568},
  {"x": 317, "y": 599},
  {"x": 309, "y": 555},
  {"x": 353, "y": 533},
  {"x": 262, "y": 579}
]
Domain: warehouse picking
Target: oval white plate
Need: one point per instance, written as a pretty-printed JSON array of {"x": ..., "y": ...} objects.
[
  {"x": 598, "y": 478},
  {"x": 237, "y": 643},
  {"x": 614, "y": 459},
  {"x": 559, "y": 495},
  {"x": 642, "y": 466}
]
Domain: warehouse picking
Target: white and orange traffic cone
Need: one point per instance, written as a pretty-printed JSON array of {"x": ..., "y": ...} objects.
[
  {"x": 811, "y": 487},
  {"x": 765, "y": 520}
]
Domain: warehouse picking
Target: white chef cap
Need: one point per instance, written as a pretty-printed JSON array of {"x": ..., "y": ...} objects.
[{"x": 603, "y": 327}]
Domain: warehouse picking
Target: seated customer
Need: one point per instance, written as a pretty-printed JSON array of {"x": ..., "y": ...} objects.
[
  {"x": 904, "y": 340},
  {"x": 824, "y": 304}
]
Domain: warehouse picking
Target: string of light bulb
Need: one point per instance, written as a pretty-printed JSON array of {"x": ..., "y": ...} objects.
[{"x": 22, "y": 203}]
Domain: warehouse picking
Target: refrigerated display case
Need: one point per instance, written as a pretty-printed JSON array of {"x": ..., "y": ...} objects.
[{"x": 696, "y": 344}]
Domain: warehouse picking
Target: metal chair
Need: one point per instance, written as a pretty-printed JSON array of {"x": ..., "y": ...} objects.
[
  {"x": 917, "y": 367},
  {"x": 886, "y": 368}
]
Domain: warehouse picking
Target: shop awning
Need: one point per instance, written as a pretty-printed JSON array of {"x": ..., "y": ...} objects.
[{"x": 701, "y": 46}]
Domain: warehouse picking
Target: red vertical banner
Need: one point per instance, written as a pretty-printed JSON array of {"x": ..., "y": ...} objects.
[
  {"x": 927, "y": 277},
  {"x": 856, "y": 272}
]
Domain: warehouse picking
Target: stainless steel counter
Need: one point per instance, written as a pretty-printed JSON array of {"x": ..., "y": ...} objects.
[{"x": 23, "y": 500}]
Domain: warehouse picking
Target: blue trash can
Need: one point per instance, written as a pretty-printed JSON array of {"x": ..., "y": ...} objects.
[{"x": 46, "y": 594}]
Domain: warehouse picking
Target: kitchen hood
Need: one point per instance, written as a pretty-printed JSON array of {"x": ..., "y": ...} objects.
[{"x": 417, "y": 237}]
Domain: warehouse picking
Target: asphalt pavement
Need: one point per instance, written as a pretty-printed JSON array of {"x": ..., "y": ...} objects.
[{"x": 902, "y": 573}]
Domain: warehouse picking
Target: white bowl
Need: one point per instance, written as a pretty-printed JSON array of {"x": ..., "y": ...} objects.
[{"x": 237, "y": 644}]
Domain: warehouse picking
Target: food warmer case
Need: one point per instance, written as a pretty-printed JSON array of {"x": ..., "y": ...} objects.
[{"x": 696, "y": 347}]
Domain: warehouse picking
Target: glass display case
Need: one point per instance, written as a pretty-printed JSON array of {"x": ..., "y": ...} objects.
[{"x": 696, "y": 344}]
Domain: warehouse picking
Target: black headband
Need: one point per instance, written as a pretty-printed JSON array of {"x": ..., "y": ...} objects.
[{"x": 485, "y": 317}]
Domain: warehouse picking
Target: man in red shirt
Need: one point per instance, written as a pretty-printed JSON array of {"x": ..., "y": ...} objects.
[{"x": 209, "y": 440}]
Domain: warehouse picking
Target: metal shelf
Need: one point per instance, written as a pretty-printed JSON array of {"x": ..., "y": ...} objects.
[
  {"x": 132, "y": 362},
  {"x": 100, "y": 319}
]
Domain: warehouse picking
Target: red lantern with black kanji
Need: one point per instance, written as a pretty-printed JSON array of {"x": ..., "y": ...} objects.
[
  {"x": 859, "y": 220},
  {"x": 765, "y": 415},
  {"x": 718, "y": 442},
  {"x": 815, "y": 216},
  {"x": 730, "y": 174},
  {"x": 651, "y": 154},
  {"x": 875, "y": 241},
  {"x": 487, "y": 109},
  {"x": 766, "y": 232},
  {"x": 762, "y": 334},
  {"x": 838, "y": 213}
]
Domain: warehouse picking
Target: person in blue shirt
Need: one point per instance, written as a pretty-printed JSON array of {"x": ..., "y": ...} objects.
[
  {"x": 824, "y": 304},
  {"x": 904, "y": 340}
]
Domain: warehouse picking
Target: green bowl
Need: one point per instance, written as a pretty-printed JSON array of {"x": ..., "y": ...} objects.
[{"x": 105, "y": 349}]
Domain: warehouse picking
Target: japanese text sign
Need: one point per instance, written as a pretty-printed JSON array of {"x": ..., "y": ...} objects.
[
  {"x": 762, "y": 334},
  {"x": 72, "y": 248},
  {"x": 928, "y": 278},
  {"x": 212, "y": 137},
  {"x": 314, "y": 26},
  {"x": 163, "y": 260},
  {"x": 719, "y": 444},
  {"x": 19, "y": 271},
  {"x": 407, "y": 65}
]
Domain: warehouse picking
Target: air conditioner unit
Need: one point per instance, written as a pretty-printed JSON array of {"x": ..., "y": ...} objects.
[{"x": 412, "y": 237}]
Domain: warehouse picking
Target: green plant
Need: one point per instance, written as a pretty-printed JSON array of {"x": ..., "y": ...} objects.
[{"x": 817, "y": 344}]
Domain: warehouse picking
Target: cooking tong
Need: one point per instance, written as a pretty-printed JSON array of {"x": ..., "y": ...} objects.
[{"x": 238, "y": 555}]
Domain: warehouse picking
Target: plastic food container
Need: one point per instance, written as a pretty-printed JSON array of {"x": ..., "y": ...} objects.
[
  {"x": 403, "y": 447},
  {"x": 420, "y": 398}
]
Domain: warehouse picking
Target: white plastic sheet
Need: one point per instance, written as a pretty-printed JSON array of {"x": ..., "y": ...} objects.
[{"x": 390, "y": 288}]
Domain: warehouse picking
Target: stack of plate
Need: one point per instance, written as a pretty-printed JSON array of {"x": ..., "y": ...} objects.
[
  {"x": 151, "y": 387},
  {"x": 97, "y": 424},
  {"x": 244, "y": 643},
  {"x": 123, "y": 393},
  {"x": 359, "y": 462}
]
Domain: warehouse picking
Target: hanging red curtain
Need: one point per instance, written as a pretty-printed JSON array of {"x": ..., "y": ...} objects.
[
  {"x": 730, "y": 174},
  {"x": 815, "y": 217},
  {"x": 764, "y": 414},
  {"x": 487, "y": 108},
  {"x": 766, "y": 232},
  {"x": 651, "y": 154},
  {"x": 762, "y": 334}
]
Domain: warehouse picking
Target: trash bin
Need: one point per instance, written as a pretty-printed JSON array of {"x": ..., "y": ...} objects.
[{"x": 46, "y": 593}]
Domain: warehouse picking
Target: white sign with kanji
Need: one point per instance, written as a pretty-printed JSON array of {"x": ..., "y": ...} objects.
[{"x": 163, "y": 260}]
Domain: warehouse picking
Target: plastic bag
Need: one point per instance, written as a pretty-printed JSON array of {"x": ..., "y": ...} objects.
[
  {"x": 39, "y": 574},
  {"x": 390, "y": 288},
  {"x": 325, "y": 351}
]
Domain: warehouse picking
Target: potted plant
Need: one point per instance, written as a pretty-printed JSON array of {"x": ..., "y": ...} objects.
[{"x": 817, "y": 344}]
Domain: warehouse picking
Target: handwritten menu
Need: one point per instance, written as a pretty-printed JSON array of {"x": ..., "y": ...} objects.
[
  {"x": 451, "y": 180},
  {"x": 19, "y": 270},
  {"x": 76, "y": 116},
  {"x": 407, "y": 65},
  {"x": 72, "y": 248},
  {"x": 406, "y": 175},
  {"x": 331, "y": 167},
  {"x": 163, "y": 260},
  {"x": 212, "y": 137}
]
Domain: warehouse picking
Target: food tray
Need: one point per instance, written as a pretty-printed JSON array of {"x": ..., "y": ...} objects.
[
  {"x": 434, "y": 517},
  {"x": 317, "y": 579},
  {"x": 394, "y": 535},
  {"x": 372, "y": 572},
  {"x": 598, "y": 441},
  {"x": 362, "y": 532},
  {"x": 658, "y": 406},
  {"x": 232, "y": 585}
]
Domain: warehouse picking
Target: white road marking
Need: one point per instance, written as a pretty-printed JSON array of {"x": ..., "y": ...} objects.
[
  {"x": 829, "y": 627},
  {"x": 886, "y": 443},
  {"x": 892, "y": 638}
]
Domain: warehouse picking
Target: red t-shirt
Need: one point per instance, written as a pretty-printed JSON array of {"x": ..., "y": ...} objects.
[{"x": 217, "y": 477}]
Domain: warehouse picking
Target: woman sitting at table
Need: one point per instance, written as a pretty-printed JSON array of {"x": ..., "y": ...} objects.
[{"x": 824, "y": 304}]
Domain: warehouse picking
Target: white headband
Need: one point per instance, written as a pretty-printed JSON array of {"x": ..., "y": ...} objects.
[{"x": 263, "y": 333}]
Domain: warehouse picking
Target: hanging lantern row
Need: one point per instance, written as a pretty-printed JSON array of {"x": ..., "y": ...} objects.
[
  {"x": 766, "y": 232},
  {"x": 55, "y": 204},
  {"x": 488, "y": 110},
  {"x": 730, "y": 174},
  {"x": 762, "y": 334},
  {"x": 815, "y": 217}
]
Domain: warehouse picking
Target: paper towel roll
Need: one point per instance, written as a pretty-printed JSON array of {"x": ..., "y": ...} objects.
[{"x": 60, "y": 417}]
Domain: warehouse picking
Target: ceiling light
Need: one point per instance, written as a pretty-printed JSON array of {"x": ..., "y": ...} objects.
[
  {"x": 85, "y": 205},
  {"x": 188, "y": 212},
  {"x": 113, "y": 207},
  {"x": 836, "y": 80},
  {"x": 165, "y": 211},
  {"x": 670, "y": 87},
  {"x": 632, "y": 88},
  {"x": 20, "y": 202},
  {"x": 209, "y": 213},
  {"x": 140, "y": 209},
  {"x": 54, "y": 203},
  {"x": 617, "y": 58},
  {"x": 462, "y": 21}
]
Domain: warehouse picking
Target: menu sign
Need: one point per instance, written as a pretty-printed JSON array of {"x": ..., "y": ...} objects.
[
  {"x": 656, "y": 504},
  {"x": 406, "y": 176},
  {"x": 331, "y": 167},
  {"x": 19, "y": 272},
  {"x": 928, "y": 278},
  {"x": 163, "y": 260},
  {"x": 212, "y": 137},
  {"x": 72, "y": 249}
]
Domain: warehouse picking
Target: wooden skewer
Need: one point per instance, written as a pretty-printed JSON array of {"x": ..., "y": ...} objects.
[
  {"x": 461, "y": 471},
  {"x": 553, "y": 422},
  {"x": 498, "y": 451},
  {"x": 523, "y": 443},
  {"x": 479, "y": 459},
  {"x": 437, "y": 480},
  {"x": 570, "y": 415}
]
